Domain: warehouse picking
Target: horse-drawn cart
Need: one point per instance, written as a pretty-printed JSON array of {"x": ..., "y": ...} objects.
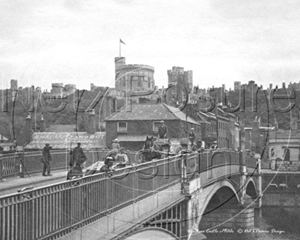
[{"x": 161, "y": 148}]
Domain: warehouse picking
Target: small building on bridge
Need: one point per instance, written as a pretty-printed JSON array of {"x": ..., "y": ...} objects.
[
  {"x": 285, "y": 145},
  {"x": 257, "y": 138},
  {"x": 131, "y": 124}
]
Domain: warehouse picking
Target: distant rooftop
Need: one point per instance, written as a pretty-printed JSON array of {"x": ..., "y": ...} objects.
[
  {"x": 150, "y": 112},
  {"x": 61, "y": 128}
]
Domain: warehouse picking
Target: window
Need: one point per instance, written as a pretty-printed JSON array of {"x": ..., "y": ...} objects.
[
  {"x": 156, "y": 126},
  {"x": 122, "y": 126}
]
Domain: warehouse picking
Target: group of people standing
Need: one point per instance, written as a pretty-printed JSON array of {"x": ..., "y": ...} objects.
[
  {"x": 77, "y": 160},
  {"x": 163, "y": 133}
]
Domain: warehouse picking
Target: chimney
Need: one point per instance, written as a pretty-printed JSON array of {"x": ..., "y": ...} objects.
[
  {"x": 276, "y": 124},
  {"x": 27, "y": 130},
  {"x": 256, "y": 124},
  {"x": 255, "y": 135},
  {"x": 91, "y": 129},
  {"x": 42, "y": 125}
]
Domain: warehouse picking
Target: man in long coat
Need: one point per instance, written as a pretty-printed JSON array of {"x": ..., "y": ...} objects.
[
  {"x": 76, "y": 170},
  {"x": 192, "y": 136},
  {"x": 162, "y": 130},
  {"x": 77, "y": 155},
  {"x": 46, "y": 159}
]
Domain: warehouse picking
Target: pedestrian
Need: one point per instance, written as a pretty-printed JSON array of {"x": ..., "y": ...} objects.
[
  {"x": 107, "y": 165},
  {"x": 76, "y": 155},
  {"x": 116, "y": 144},
  {"x": 76, "y": 170},
  {"x": 192, "y": 136},
  {"x": 214, "y": 145},
  {"x": 122, "y": 157},
  {"x": 46, "y": 159},
  {"x": 162, "y": 130}
]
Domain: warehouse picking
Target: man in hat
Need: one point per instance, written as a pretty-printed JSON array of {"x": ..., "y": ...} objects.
[
  {"x": 46, "y": 159},
  {"x": 76, "y": 155},
  {"x": 214, "y": 145},
  {"x": 162, "y": 130},
  {"x": 116, "y": 144}
]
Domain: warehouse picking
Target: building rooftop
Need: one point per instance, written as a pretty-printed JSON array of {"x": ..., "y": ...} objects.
[
  {"x": 150, "y": 112},
  {"x": 67, "y": 140},
  {"x": 61, "y": 128}
]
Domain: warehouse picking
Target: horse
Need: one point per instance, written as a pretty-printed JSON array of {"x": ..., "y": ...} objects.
[{"x": 150, "y": 150}]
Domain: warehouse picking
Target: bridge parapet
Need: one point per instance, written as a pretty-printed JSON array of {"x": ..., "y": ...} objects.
[
  {"x": 202, "y": 169},
  {"x": 58, "y": 209}
]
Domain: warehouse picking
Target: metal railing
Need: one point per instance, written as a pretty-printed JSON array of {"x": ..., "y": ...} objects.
[
  {"x": 55, "y": 210},
  {"x": 22, "y": 163}
]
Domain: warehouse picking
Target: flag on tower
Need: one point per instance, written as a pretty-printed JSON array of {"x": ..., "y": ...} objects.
[{"x": 122, "y": 41}]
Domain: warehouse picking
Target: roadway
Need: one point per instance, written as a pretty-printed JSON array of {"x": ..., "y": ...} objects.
[{"x": 13, "y": 184}]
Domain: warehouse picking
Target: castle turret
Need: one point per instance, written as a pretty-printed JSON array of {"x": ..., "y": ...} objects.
[
  {"x": 120, "y": 61},
  {"x": 133, "y": 77}
]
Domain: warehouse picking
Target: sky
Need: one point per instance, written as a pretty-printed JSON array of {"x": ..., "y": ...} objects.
[{"x": 76, "y": 41}]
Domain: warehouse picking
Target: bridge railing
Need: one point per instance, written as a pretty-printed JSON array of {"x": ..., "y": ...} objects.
[
  {"x": 9, "y": 165},
  {"x": 55, "y": 210},
  {"x": 30, "y": 162},
  {"x": 229, "y": 161},
  {"x": 209, "y": 159}
]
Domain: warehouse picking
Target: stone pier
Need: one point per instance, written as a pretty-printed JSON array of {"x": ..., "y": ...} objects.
[{"x": 229, "y": 217}]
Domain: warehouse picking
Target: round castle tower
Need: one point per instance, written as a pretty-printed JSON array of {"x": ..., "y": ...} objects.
[{"x": 133, "y": 77}]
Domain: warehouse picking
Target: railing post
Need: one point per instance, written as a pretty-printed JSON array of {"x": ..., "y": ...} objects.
[
  {"x": 183, "y": 168},
  {"x": 184, "y": 180},
  {"x": 243, "y": 176},
  {"x": 22, "y": 162},
  {"x": 259, "y": 182},
  {"x": 1, "y": 169}
]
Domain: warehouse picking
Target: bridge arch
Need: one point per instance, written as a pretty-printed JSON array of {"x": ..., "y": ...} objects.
[
  {"x": 220, "y": 194},
  {"x": 251, "y": 189},
  {"x": 152, "y": 233}
]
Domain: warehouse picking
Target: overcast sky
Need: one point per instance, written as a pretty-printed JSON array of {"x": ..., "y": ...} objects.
[{"x": 75, "y": 41}]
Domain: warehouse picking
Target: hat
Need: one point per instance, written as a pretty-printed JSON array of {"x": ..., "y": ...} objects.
[
  {"x": 192, "y": 128},
  {"x": 162, "y": 121},
  {"x": 116, "y": 140},
  {"x": 47, "y": 144},
  {"x": 122, "y": 148}
]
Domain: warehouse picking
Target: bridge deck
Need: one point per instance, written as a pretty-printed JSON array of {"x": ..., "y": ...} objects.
[{"x": 13, "y": 184}]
